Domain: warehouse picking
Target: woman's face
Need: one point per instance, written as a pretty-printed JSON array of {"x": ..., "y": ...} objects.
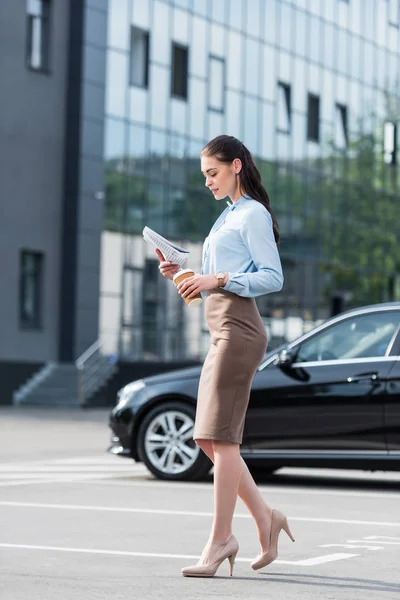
[{"x": 221, "y": 178}]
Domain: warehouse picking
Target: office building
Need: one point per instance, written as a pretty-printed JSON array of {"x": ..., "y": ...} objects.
[{"x": 105, "y": 108}]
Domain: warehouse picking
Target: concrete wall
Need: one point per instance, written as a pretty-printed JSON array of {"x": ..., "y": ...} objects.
[
  {"x": 51, "y": 173},
  {"x": 32, "y": 120}
]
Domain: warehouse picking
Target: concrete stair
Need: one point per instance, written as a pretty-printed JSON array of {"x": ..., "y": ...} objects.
[{"x": 64, "y": 384}]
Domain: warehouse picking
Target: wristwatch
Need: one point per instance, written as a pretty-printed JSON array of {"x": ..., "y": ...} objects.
[{"x": 221, "y": 278}]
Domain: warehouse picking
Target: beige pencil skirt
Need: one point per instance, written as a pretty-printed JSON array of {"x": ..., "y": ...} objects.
[{"x": 238, "y": 344}]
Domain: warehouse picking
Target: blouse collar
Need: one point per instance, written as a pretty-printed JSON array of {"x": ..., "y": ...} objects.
[{"x": 233, "y": 205}]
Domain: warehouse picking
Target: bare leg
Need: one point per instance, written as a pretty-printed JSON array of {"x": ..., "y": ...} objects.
[
  {"x": 250, "y": 495},
  {"x": 227, "y": 475}
]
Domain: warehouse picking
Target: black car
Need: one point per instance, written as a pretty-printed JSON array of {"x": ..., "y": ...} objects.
[{"x": 331, "y": 398}]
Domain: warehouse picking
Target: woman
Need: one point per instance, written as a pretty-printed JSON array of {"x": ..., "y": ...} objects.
[{"x": 240, "y": 261}]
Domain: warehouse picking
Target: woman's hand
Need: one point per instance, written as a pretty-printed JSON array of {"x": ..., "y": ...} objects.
[
  {"x": 191, "y": 286},
  {"x": 166, "y": 267}
]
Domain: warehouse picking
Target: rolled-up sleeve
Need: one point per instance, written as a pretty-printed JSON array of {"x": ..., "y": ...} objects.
[{"x": 258, "y": 237}]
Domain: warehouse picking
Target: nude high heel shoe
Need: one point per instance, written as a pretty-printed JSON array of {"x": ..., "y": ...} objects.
[
  {"x": 229, "y": 551},
  {"x": 278, "y": 522}
]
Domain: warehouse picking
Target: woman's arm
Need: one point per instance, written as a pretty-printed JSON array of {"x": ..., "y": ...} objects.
[{"x": 258, "y": 236}]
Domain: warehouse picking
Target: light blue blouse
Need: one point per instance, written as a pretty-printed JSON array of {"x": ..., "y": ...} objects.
[{"x": 241, "y": 242}]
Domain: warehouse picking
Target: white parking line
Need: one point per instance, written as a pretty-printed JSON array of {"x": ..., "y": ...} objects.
[
  {"x": 102, "y": 458},
  {"x": 292, "y": 490},
  {"x": 66, "y": 469},
  {"x": 30, "y": 482},
  {"x": 379, "y": 541},
  {"x": 309, "y": 562},
  {"x": 184, "y": 513},
  {"x": 360, "y": 546},
  {"x": 96, "y": 459},
  {"x": 106, "y": 471},
  {"x": 52, "y": 478},
  {"x": 383, "y": 537},
  {"x": 318, "y": 560}
]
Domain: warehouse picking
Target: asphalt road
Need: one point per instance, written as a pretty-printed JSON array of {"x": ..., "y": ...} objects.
[{"x": 78, "y": 523}]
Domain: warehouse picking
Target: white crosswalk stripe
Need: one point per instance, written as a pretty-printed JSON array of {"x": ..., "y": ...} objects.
[{"x": 69, "y": 469}]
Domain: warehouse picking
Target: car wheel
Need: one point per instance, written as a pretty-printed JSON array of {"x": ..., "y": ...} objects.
[{"x": 166, "y": 445}]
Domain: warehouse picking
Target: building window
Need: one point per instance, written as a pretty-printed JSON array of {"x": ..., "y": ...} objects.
[
  {"x": 341, "y": 133},
  {"x": 139, "y": 58},
  {"x": 390, "y": 143},
  {"x": 313, "y": 118},
  {"x": 38, "y": 34},
  {"x": 284, "y": 108},
  {"x": 31, "y": 273},
  {"x": 394, "y": 12},
  {"x": 179, "y": 74},
  {"x": 216, "y": 96},
  {"x": 150, "y": 307}
]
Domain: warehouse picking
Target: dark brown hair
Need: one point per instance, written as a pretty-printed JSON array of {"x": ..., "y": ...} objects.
[{"x": 226, "y": 148}]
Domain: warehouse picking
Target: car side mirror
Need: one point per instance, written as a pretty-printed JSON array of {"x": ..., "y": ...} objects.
[{"x": 285, "y": 359}]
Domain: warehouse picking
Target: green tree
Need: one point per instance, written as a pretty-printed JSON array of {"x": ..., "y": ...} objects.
[
  {"x": 127, "y": 199},
  {"x": 342, "y": 211},
  {"x": 194, "y": 214},
  {"x": 356, "y": 226}
]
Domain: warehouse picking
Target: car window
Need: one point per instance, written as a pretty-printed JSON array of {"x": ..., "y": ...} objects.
[{"x": 364, "y": 336}]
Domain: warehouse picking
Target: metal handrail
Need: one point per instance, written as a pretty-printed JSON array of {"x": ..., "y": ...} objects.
[
  {"x": 80, "y": 362},
  {"x": 89, "y": 365}
]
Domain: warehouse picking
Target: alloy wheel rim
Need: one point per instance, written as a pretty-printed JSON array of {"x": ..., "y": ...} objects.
[{"x": 169, "y": 443}]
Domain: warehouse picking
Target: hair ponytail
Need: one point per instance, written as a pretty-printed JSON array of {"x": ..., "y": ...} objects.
[{"x": 226, "y": 148}]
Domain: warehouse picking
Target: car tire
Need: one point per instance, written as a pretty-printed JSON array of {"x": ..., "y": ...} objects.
[{"x": 166, "y": 446}]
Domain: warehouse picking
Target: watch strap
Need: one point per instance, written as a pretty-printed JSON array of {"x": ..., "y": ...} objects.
[{"x": 221, "y": 280}]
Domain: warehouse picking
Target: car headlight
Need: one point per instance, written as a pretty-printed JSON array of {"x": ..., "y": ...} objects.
[{"x": 127, "y": 392}]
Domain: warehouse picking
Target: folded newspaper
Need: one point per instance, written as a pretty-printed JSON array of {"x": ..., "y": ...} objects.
[{"x": 171, "y": 251}]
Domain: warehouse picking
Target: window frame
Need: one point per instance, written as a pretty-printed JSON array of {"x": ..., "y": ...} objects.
[
  {"x": 45, "y": 21},
  {"x": 392, "y": 151},
  {"x": 395, "y": 23},
  {"x": 341, "y": 119},
  {"x": 146, "y": 35},
  {"x": 393, "y": 355},
  {"x": 387, "y": 356},
  {"x": 36, "y": 275},
  {"x": 174, "y": 94},
  {"x": 150, "y": 303},
  {"x": 214, "y": 57},
  {"x": 286, "y": 89},
  {"x": 310, "y": 98}
]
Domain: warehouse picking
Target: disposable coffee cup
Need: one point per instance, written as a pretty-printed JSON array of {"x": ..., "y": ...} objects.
[{"x": 180, "y": 276}]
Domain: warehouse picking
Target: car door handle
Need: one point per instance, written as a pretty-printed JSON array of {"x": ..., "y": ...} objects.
[{"x": 371, "y": 377}]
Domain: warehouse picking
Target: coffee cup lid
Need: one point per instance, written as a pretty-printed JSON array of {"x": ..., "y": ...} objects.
[{"x": 179, "y": 273}]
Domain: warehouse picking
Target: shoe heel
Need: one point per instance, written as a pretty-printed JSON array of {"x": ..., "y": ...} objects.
[
  {"x": 286, "y": 529},
  {"x": 231, "y": 559}
]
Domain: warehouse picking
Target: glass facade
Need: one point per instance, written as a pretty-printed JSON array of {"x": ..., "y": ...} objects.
[{"x": 312, "y": 89}]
